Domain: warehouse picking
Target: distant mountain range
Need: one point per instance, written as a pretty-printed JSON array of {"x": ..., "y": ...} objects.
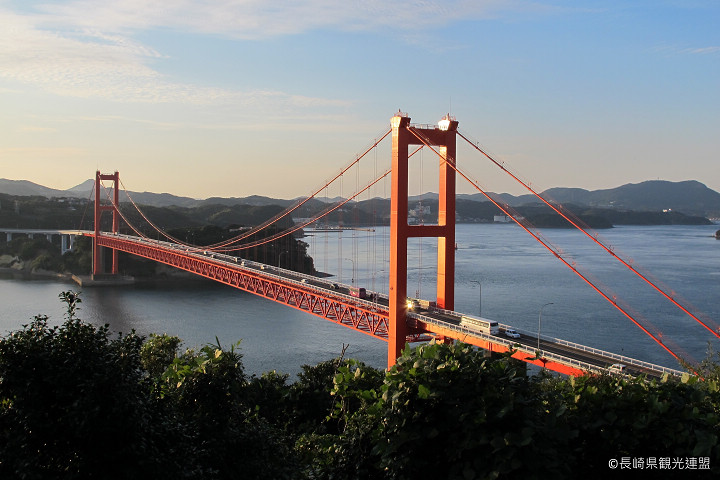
[
  {"x": 689, "y": 197},
  {"x": 25, "y": 188}
]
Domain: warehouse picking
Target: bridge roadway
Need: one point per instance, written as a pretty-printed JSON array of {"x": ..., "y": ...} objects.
[
  {"x": 67, "y": 237},
  {"x": 334, "y": 301}
]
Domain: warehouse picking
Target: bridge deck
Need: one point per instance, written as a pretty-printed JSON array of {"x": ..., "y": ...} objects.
[{"x": 334, "y": 302}]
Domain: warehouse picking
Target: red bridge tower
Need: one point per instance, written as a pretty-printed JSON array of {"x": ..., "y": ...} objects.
[
  {"x": 99, "y": 209},
  {"x": 403, "y": 135}
]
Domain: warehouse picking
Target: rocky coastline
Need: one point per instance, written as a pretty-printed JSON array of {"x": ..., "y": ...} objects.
[{"x": 17, "y": 268}]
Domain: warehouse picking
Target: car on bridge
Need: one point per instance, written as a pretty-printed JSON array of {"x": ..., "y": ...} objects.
[
  {"x": 412, "y": 305},
  {"x": 617, "y": 368},
  {"x": 512, "y": 333}
]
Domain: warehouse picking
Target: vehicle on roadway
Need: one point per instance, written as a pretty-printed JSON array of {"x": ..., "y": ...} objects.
[
  {"x": 512, "y": 333},
  {"x": 490, "y": 327},
  {"x": 358, "y": 292},
  {"x": 617, "y": 368},
  {"x": 412, "y": 305}
]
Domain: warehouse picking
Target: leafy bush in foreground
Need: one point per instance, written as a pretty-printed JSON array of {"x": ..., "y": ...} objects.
[
  {"x": 76, "y": 403},
  {"x": 73, "y": 402}
]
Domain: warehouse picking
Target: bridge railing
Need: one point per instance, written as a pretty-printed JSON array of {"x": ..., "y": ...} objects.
[
  {"x": 287, "y": 276},
  {"x": 584, "y": 348},
  {"x": 602, "y": 353},
  {"x": 267, "y": 269},
  {"x": 580, "y": 365},
  {"x": 304, "y": 281}
]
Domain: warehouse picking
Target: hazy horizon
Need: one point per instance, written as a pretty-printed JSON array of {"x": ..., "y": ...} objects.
[{"x": 321, "y": 196}]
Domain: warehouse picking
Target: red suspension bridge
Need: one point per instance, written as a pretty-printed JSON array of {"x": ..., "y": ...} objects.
[{"x": 391, "y": 316}]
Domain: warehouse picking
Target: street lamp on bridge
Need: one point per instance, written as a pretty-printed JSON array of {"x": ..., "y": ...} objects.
[
  {"x": 479, "y": 296},
  {"x": 352, "y": 280},
  {"x": 539, "y": 320},
  {"x": 280, "y": 256}
]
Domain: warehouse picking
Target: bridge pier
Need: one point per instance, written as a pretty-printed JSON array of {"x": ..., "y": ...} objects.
[
  {"x": 66, "y": 243},
  {"x": 444, "y": 137},
  {"x": 67, "y": 239}
]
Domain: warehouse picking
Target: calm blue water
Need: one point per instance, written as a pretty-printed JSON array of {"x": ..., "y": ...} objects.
[{"x": 501, "y": 271}]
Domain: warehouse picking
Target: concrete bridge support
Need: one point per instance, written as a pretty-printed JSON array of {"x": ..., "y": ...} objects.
[
  {"x": 67, "y": 239},
  {"x": 66, "y": 243}
]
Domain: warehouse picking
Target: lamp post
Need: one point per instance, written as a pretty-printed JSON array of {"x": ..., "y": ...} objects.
[
  {"x": 280, "y": 256},
  {"x": 352, "y": 280},
  {"x": 539, "y": 320},
  {"x": 479, "y": 296}
]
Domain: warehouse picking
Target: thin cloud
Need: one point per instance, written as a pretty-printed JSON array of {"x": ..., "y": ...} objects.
[
  {"x": 678, "y": 50},
  {"x": 34, "y": 129},
  {"x": 252, "y": 19},
  {"x": 84, "y": 62},
  {"x": 304, "y": 122},
  {"x": 41, "y": 152},
  {"x": 87, "y": 48},
  {"x": 703, "y": 50}
]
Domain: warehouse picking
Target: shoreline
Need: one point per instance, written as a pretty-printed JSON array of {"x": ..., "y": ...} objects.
[{"x": 25, "y": 274}]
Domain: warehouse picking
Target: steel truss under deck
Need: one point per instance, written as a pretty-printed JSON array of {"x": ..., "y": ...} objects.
[{"x": 368, "y": 319}]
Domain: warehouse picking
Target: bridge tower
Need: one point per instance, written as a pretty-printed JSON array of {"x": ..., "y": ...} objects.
[
  {"x": 99, "y": 209},
  {"x": 444, "y": 137}
]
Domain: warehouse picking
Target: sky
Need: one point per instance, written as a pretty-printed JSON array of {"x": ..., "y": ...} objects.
[{"x": 253, "y": 97}]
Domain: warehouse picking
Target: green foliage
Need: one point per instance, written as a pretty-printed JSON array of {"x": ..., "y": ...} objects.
[
  {"x": 38, "y": 251},
  {"x": 356, "y": 389},
  {"x": 158, "y": 352},
  {"x": 45, "y": 261},
  {"x": 19, "y": 211},
  {"x": 210, "y": 376},
  {"x": 46, "y": 255},
  {"x": 78, "y": 260},
  {"x": 709, "y": 370},
  {"x": 71, "y": 300},
  {"x": 635, "y": 418},
  {"x": 269, "y": 395},
  {"x": 310, "y": 399},
  {"x": 348, "y": 452},
  {"x": 75, "y": 403},
  {"x": 206, "y": 390},
  {"x": 29, "y": 248},
  {"x": 480, "y": 416}
]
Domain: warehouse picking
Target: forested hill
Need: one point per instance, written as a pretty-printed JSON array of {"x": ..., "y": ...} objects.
[
  {"x": 689, "y": 197},
  {"x": 41, "y": 212},
  {"x": 202, "y": 225}
]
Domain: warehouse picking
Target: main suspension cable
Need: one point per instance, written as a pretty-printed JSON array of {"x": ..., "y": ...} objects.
[
  {"x": 315, "y": 218},
  {"x": 574, "y": 223},
  {"x": 122, "y": 215},
  {"x": 525, "y": 225},
  {"x": 308, "y": 221},
  {"x": 226, "y": 243}
]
